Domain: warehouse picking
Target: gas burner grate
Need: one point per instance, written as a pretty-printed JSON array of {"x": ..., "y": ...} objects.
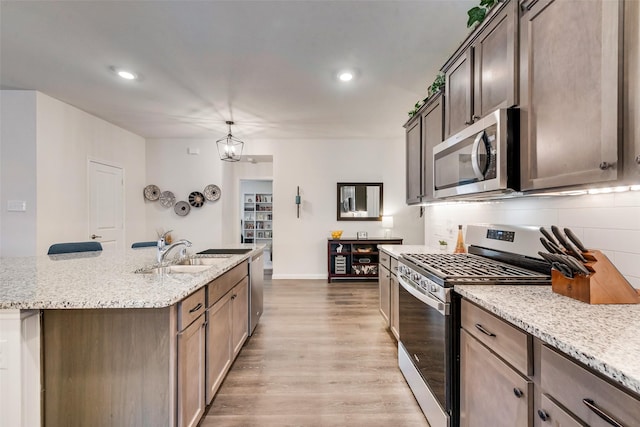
[{"x": 469, "y": 267}]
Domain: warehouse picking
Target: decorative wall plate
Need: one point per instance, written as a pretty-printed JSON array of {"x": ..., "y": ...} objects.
[
  {"x": 182, "y": 208},
  {"x": 152, "y": 192},
  {"x": 196, "y": 199},
  {"x": 212, "y": 192},
  {"x": 167, "y": 199}
]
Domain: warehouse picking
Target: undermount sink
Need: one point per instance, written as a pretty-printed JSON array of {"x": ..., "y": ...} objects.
[
  {"x": 232, "y": 251},
  {"x": 199, "y": 261},
  {"x": 175, "y": 269}
]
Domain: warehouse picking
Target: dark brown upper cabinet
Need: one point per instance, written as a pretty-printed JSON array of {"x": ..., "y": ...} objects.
[
  {"x": 423, "y": 132},
  {"x": 570, "y": 92},
  {"x": 482, "y": 74}
]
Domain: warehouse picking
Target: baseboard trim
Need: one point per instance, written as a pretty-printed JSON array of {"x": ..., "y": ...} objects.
[{"x": 298, "y": 276}]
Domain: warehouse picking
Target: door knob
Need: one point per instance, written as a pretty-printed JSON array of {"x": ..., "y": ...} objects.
[{"x": 94, "y": 236}]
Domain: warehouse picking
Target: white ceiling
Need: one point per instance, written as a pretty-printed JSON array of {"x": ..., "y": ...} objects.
[{"x": 268, "y": 65}]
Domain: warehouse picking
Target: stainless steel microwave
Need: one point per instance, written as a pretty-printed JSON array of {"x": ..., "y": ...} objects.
[{"x": 481, "y": 160}]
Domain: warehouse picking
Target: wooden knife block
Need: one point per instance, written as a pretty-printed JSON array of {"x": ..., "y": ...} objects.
[{"x": 605, "y": 284}]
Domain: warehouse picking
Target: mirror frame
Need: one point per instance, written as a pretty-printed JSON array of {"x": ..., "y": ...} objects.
[{"x": 366, "y": 184}]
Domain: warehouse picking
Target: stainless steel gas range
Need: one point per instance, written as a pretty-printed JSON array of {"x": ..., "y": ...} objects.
[{"x": 428, "y": 349}]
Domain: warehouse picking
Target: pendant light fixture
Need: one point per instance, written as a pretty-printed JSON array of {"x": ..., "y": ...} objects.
[{"x": 230, "y": 148}]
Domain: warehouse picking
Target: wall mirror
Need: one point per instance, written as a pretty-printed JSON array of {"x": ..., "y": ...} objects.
[{"x": 359, "y": 201}]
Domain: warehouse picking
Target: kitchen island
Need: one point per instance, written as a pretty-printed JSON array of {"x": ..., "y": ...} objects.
[{"x": 118, "y": 347}]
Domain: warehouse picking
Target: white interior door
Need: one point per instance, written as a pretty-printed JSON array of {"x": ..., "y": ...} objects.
[{"x": 106, "y": 214}]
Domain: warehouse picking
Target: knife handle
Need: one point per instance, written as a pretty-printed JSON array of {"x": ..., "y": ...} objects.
[
  {"x": 548, "y": 235},
  {"x": 574, "y": 239}
]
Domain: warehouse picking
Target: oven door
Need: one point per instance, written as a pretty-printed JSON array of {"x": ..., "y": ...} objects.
[{"x": 426, "y": 351}]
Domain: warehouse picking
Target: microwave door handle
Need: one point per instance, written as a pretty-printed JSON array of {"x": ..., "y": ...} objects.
[{"x": 475, "y": 156}]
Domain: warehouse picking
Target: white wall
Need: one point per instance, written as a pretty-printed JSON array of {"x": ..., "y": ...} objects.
[
  {"x": 17, "y": 172},
  {"x": 300, "y": 244},
  {"x": 51, "y": 142},
  {"x": 607, "y": 222},
  {"x": 316, "y": 166},
  {"x": 170, "y": 167},
  {"x": 67, "y": 139}
]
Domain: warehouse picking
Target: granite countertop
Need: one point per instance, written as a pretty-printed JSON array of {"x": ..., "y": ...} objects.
[
  {"x": 603, "y": 337},
  {"x": 100, "y": 280}
]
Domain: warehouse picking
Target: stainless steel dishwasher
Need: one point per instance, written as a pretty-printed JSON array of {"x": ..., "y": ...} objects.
[{"x": 256, "y": 284}]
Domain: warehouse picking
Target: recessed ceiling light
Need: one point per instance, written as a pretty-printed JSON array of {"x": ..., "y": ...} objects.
[
  {"x": 124, "y": 74},
  {"x": 345, "y": 76},
  {"x": 128, "y": 75}
]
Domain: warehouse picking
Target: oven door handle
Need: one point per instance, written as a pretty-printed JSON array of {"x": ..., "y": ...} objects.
[{"x": 425, "y": 298}]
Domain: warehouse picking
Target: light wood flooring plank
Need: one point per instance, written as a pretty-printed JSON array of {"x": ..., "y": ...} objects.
[{"x": 321, "y": 356}]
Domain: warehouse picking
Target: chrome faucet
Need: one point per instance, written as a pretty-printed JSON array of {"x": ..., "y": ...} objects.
[{"x": 163, "y": 250}]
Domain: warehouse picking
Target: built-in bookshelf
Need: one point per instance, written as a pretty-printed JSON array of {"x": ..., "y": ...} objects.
[{"x": 257, "y": 220}]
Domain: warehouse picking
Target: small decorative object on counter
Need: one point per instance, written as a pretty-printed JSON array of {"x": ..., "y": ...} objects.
[
  {"x": 362, "y": 235},
  {"x": 336, "y": 234},
  {"x": 443, "y": 245},
  {"x": 460, "y": 249}
]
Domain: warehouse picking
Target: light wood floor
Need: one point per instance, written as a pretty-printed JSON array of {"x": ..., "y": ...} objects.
[{"x": 319, "y": 357}]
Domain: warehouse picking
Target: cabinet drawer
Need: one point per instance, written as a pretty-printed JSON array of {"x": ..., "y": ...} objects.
[
  {"x": 394, "y": 266},
  {"x": 190, "y": 308},
  {"x": 553, "y": 415},
  {"x": 575, "y": 388},
  {"x": 385, "y": 260},
  {"x": 220, "y": 286},
  {"x": 510, "y": 343}
]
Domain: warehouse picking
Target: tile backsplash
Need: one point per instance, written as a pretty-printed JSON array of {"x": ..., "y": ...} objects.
[{"x": 607, "y": 222}]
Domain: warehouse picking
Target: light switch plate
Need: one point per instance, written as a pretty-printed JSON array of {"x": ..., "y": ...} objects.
[{"x": 16, "y": 205}]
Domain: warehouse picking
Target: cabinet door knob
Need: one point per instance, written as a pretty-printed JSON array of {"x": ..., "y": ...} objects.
[
  {"x": 468, "y": 122},
  {"x": 544, "y": 416},
  {"x": 638, "y": 159},
  {"x": 517, "y": 392},
  {"x": 476, "y": 118},
  {"x": 606, "y": 165}
]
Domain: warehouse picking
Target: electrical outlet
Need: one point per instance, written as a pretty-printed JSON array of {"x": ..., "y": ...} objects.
[{"x": 3, "y": 354}]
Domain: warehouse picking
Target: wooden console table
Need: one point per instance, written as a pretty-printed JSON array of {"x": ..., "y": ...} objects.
[{"x": 355, "y": 259}]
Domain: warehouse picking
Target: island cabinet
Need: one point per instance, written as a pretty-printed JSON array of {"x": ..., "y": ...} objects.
[
  {"x": 191, "y": 359},
  {"x": 495, "y": 368},
  {"x": 227, "y": 326},
  {"x": 389, "y": 291},
  {"x": 423, "y": 132},
  {"x": 482, "y": 75},
  {"x": 143, "y": 366},
  {"x": 570, "y": 92}
]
